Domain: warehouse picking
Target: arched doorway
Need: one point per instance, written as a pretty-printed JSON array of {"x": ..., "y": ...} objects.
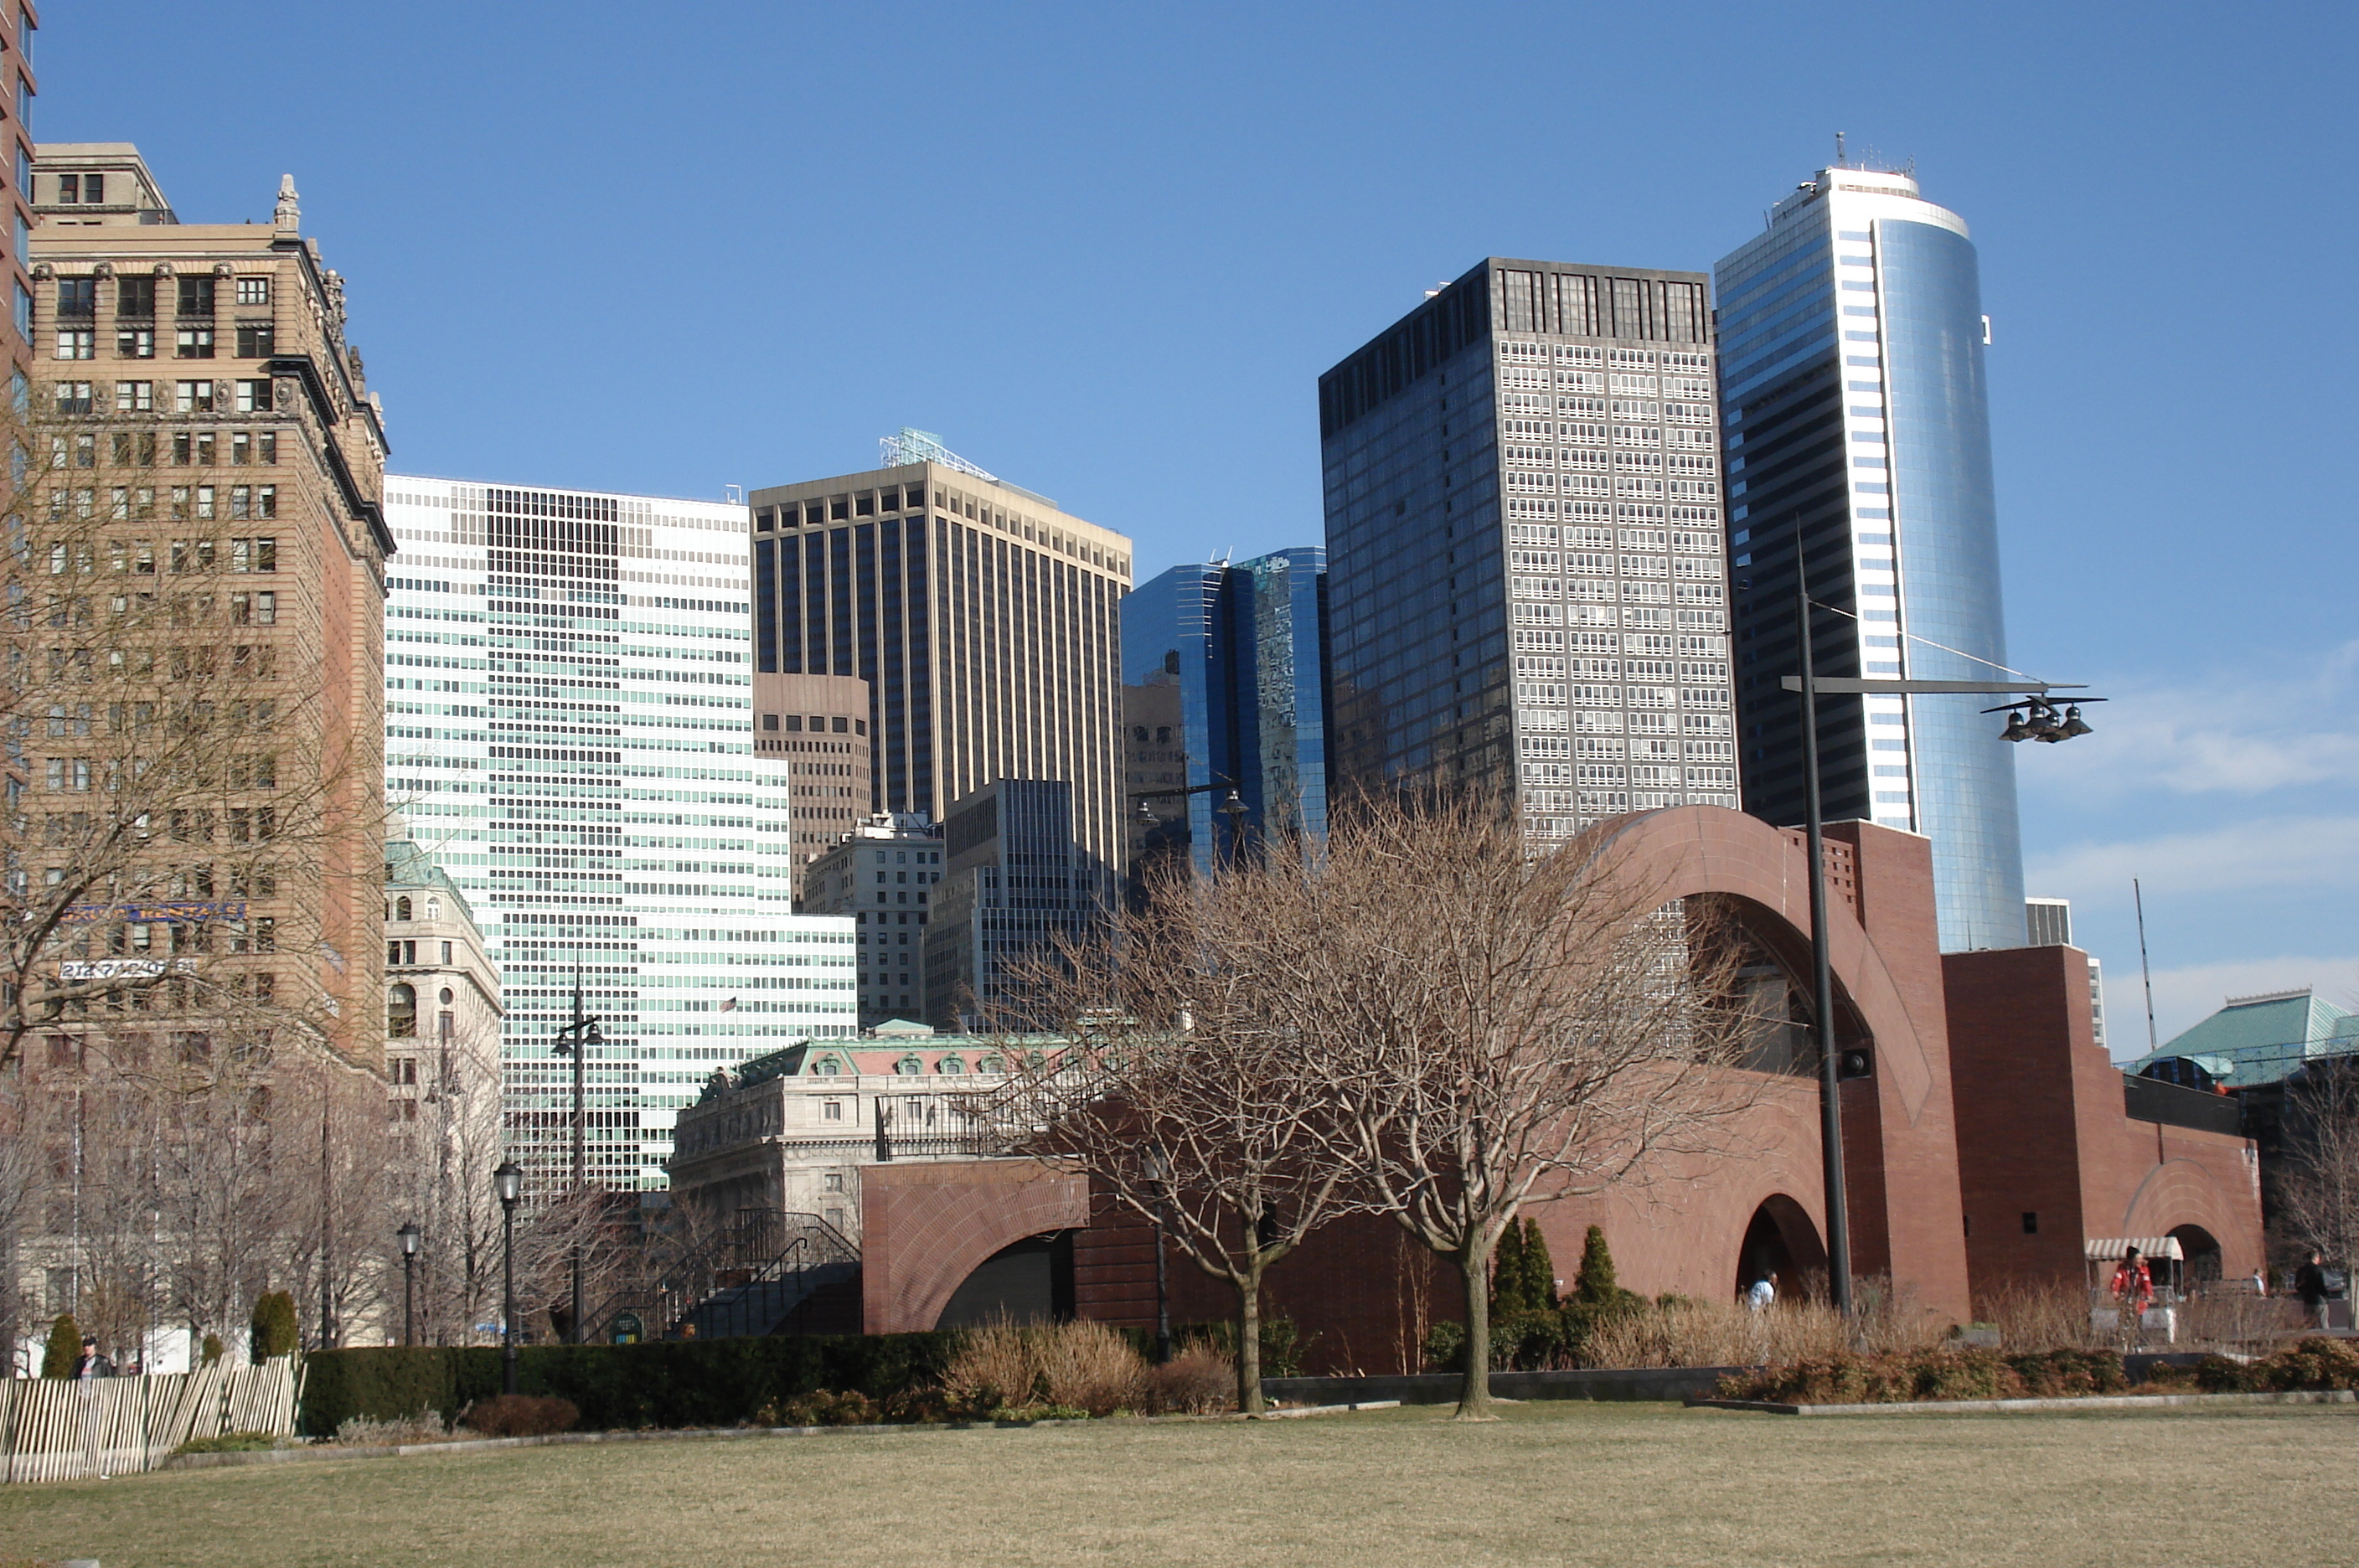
[
  {"x": 1028, "y": 1282},
  {"x": 1781, "y": 1243},
  {"x": 2201, "y": 1249}
]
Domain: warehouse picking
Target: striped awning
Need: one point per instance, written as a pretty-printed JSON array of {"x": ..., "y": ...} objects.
[{"x": 2148, "y": 1246}]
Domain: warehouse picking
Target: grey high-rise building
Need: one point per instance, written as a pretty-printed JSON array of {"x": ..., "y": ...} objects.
[
  {"x": 1527, "y": 576},
  {"x": 1243, "y": 649},
  {"x": 1015, "y": 879},
  {"x": 1850, "y": 352}
]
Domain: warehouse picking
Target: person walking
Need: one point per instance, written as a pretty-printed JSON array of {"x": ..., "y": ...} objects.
[
  {"x": 2133, "y": 1294},
  {"x": 1764, "y": 1293},
  {"x": 2309, "y": 1284},
  {"x": 89, "y": 1367}
]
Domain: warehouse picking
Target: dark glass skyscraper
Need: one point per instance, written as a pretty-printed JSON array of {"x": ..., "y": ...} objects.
[
  {"x": 1243, "y": 647},
  {"x": 1857, "y": 426},
  {"x": 1528, "y": 586}
]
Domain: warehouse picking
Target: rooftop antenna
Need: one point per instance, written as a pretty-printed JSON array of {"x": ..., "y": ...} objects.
[
  {"x": 2138, "y": 894},
  {"x": 1839, "y": 150}
]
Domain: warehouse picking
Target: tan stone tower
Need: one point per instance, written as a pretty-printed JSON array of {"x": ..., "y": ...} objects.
[
  {"x": 983, "y": 618},
  {"x": 201, "y": 425}
]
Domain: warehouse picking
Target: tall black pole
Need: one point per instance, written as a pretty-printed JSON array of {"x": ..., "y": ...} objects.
[
  {"x": 507, "y": 1296},
  {"x": 408, "y": 1298},
  {"x": 327, "y": 1223},
  {"x": 1162, "y": 1296},
  {"x": 1822, "y": 971},
  {"x": 580, "y": 1144}
]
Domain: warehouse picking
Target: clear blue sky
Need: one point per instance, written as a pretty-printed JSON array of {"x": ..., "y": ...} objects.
[{"x": 1106, "y": 250}]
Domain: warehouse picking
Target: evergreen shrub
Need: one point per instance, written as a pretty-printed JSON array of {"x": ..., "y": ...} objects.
[
  {"x": 273, "y": 1330},
  {"x": 64, "y": 1348}
]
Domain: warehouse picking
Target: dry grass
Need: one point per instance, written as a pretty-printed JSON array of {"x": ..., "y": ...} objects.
[
  {"x": 2056, "y": 1317},
  {"x": 997, "y": 1365},
  {"x": 1559, "y": 1484},
  {"x": 2042, "y": 1317},
  {"x": 1086, "y": 1365},
  {"x": 1077, "y": 1365},
  {"x": 1723, "y": 1333}
]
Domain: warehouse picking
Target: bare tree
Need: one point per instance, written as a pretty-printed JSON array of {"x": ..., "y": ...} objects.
[
  {"x": 1511, "y": 1025},
  {"x": 1190, "y": 1095},
  {"x": 2318, "y": 1195}
]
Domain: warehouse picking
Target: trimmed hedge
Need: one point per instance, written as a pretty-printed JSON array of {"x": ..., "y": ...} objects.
[{"x": 668, "y": 1383}]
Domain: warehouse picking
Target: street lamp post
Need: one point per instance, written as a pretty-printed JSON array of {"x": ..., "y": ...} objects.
[
  {"x": 1159, "y": 1173},
  {"x": 508, "y": 1182},
  {"x": 574, "y": 1040},
  {"x": 408, "y": 1235},
  {"x": 1822, "y": 986},
  {"x": 2038, "y": 720}
]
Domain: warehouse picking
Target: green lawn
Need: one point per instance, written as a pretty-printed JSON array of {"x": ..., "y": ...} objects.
[{"x": 1643, "y": 1485}]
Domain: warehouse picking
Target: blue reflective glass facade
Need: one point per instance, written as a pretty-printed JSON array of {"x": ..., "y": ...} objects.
[
  {"x": 1945, "y": 521},
  {"x": 1857, "y": 445},
  {"x": 1236, "y": 656}
]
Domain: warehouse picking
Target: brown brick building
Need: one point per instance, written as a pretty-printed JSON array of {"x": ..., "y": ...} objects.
[
  {"x": 1988, "y": 1103},
  {"x": 203, "y": 421}
]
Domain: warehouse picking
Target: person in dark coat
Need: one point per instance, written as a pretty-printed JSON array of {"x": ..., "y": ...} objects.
[{"x": 2309, "y": 1284}]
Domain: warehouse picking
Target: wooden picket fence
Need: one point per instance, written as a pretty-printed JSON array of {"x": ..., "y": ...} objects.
[{"x": 58, "y": 1429}]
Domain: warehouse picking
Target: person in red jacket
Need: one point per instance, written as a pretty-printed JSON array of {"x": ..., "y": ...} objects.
[{"x": 2133, "y": 1294}]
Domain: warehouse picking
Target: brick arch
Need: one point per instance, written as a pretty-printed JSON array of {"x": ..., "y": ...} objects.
[
  {"x": 925, "y": 1227},
  {"x": 1899, "y": 1127},
  {"x": 2182, "y": 1191},
  {"x": 1692, "y": 851}
]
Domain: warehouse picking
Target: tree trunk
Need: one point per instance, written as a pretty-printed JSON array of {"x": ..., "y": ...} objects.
[
  {"x": 1249, "y": 1398},
  {"x": 1474, "y": 1391}
]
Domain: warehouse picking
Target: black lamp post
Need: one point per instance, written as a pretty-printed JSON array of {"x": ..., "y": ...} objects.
[
  {"x": 408, "y": 1235},
  {"x": 575, "y": 1039},
  {"x": 2038, "y": 720},
  {"x": 1822, "y": 987},
  {"x": 508, "y": 1182},
  {"x": 1159, "y": 1174}
]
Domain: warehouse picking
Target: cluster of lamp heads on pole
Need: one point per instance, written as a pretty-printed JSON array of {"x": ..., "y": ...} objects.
[
  {"x": 2036, "y": 718},
  {"x": 1233, "y": 808}
]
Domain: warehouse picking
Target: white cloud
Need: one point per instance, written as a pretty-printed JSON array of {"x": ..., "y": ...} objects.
[
  {"x": 2238, "y": 734},
  {"x": 2268, "y": 853},
  {"x": 2184, "y": 997}
]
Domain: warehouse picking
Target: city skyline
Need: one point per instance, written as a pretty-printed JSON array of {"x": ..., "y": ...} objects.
[{"x": 2238, "y": 826}]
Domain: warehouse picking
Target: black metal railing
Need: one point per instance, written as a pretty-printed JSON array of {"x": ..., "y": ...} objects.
[
  {"x": 742, "y": 1281},
  {"x": 2151, "y": 1100}
]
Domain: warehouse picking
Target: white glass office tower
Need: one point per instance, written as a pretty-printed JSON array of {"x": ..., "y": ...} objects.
[
  {"x": 568, "y": 729},
  {"x": 1851, "y": 369},
  {"x": 1527, "y": 583}
]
